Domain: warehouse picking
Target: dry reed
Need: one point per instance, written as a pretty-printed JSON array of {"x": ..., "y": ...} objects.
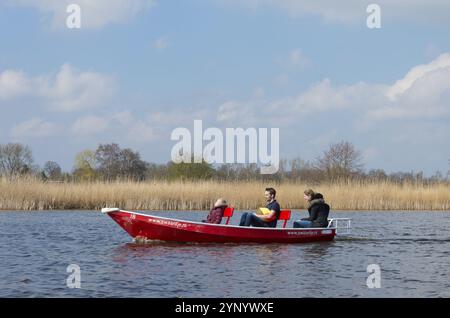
[{"x": 29, "y": 194}]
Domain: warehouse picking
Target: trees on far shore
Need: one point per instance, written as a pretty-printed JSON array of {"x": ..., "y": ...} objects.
[
  {"x": 15, "y": 160},
  {"x": 340, "y": 161},
  {"x": 110, "y": 162},
  {"x": 52, "y": 171}
]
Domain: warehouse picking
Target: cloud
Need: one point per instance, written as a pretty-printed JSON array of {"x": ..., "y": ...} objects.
[
  {"x": 354, "y": 11},
  {"x": 417, "y": 73},
  {"x": 68, "y": 90},
  {"x": 74, "y": 90},
  {"x": 122, "y": 125},
  {"x": 13, "y": 84},
  {"x": 324, "y": 96},
  {"x": 89, "y": 125},
  {"x": 35, "y": 128},
  {"x": 422, "y": 93},
  {"x": 229, "y": 110},
  {"x": 95, "y": 14},
  {"x": 389, "y": 122}
]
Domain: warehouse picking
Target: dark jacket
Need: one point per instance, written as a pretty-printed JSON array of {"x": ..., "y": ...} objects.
[
  {"x": 215, "y": 215},
  {"x": 318, "y": 212}
]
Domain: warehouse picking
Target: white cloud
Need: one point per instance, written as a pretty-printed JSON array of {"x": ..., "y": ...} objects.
[
  {"x": 68, "y": 90},
  {"x": 74, "y": 90},
  {"x": 35, "y": 128},
  {"x": 89, "y": 125},
  {"x": 122, "y": 125},
  {"x": 323, "y": 96},
  {"x": 13, "y": 84},
  {"x": 231, "y": 111},
  {"x": 422, "y": 93},
  {"x": 417, "y": 73},
  {"x": 354, "y": 11},
  {"x": 95, "y": 14}
]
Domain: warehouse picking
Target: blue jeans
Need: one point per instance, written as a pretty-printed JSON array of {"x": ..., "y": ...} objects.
[
  {"x": 303, "y": 224},
  {"x": 249, "y": 219}
]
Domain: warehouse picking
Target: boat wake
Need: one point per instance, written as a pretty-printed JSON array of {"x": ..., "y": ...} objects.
[{"x": 394, "y": 240}]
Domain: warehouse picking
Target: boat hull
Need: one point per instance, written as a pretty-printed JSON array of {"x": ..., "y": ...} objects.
[{"x": 149, "y": 227}]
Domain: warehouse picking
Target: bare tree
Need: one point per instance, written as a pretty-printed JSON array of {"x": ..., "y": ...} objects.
[
  {"x": 15, "y": 160},
  {"x": 341, "y": 160},
  {"x": 52, "y": 170},
  {"x": 107, "y": 158},
  {"x": 114, "y": 162},
  {"x": 131, "y": 165}
]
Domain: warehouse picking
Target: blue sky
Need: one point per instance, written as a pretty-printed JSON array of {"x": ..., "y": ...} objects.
[{"x": 138, "y": 69}]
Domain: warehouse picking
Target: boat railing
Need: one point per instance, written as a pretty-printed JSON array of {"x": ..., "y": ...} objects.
[{"x": 343, "y": 226}]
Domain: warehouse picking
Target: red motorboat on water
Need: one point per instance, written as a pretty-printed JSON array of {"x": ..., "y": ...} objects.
[{"x": 149, "y": 227}]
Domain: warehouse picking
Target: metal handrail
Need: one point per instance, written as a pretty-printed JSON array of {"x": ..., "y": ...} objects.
[{"x": 343, "y": 226}]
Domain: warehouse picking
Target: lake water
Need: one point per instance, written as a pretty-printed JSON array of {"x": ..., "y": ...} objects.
[{"x": 412, "y": 250}]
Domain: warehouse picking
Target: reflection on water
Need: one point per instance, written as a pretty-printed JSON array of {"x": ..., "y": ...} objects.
[{"x": 413, "y": 259}]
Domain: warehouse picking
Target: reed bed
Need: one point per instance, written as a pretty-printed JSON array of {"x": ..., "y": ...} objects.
[{"x": 29, "y": 194}]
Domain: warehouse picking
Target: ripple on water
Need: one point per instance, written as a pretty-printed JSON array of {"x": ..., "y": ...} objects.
[{"x": 413, "y": 260}]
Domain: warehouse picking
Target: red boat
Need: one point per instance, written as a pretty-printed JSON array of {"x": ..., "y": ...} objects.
[{"x": 149, "y": 227}]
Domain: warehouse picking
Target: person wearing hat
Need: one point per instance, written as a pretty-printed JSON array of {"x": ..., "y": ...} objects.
[
  {"x": 216, "y": 213},
  {"x": 318, "y": 211}
]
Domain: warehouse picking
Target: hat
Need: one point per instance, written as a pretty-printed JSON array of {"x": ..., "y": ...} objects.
[{"x": 220, "y": 202}]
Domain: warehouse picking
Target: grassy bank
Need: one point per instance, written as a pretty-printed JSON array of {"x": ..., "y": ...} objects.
[{"x": 36, "y": 195}]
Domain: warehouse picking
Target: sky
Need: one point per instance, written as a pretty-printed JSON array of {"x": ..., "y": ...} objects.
[{"x": 138, "y": 69}]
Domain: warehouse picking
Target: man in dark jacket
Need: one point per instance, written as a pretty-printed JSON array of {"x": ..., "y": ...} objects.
[
  {"x": 269, "y": 220},
  {"x": 318, "y": 211}
]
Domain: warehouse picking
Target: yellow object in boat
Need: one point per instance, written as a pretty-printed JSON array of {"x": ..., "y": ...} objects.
[{"x": 263, "y": 211}]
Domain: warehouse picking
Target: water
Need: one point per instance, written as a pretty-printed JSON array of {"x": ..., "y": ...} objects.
[{"x": 411, "y": 248}]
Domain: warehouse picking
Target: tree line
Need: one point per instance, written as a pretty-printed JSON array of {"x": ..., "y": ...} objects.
[{"x": 109, "y": 162}]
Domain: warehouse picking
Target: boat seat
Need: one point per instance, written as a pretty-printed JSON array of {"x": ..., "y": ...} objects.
[
  {"x": 228, "y": 213},
  {"x": 285, "y": 215}
]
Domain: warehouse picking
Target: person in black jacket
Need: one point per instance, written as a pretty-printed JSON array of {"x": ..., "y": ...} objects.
[{"x": 318, "y": 211}]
